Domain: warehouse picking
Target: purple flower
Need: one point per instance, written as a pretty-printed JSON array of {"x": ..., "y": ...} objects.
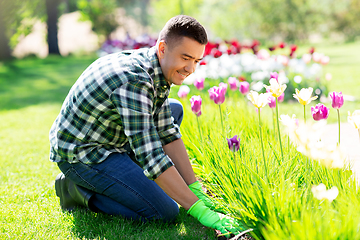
[
  {"x": 244, "y": 87},
  {"x": 233, "y": 143},
  {"x": 199, "y": 83},
  {"x": 319, "y": 112},
  {"x": 196, "y": 105},
  {"x": 272, "y": 102},
  {"x": 233, "y": 83},
  {"x": 337, "y": 99},
  {"x": 274, "y": 75},
  {"x": 217, "y": 94}
]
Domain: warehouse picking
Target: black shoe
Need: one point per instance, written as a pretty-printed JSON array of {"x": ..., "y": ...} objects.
[{"x": 70, "y": 194}]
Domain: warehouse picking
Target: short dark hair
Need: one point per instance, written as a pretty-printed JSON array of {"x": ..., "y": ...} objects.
[{"x": 183, "y": 26}]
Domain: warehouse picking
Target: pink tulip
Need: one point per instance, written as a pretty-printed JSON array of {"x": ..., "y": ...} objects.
[
  {"x": 274, "y": 75},
  {"x": 272, "y": 102},
  {"x": 233, "y": 83},
  {"x": 217, "y": 94},
  {"x": 328, "y": 76},
  {"x": 223, "y": 85},
  {"x": 244, "y": 87},
  {"x": 337, "y": 99},
  {"x": 196, "y": 105},
  {"x": 319, "y": 112},
  {"x": 281, "y": 97},
  {"x": 234, "y": 143},
  {"x": 199, "y": 83},
  {"x": 183, "y": 91},
  {"x": 325, "y": 60}
]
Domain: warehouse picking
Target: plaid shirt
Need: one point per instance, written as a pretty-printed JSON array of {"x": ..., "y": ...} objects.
[{"x": 120, "y": 98}]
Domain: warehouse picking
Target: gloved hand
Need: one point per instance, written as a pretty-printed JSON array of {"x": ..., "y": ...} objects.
[
  {"x": 213, "y": 219},
  {"x": 197, "y": 190}
]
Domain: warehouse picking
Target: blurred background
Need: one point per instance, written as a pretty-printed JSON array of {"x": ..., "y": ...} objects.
[{"x": 63, "y": 27}]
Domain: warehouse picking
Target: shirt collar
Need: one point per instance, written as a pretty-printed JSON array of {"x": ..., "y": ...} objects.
[{"x": 161, "y": 85}]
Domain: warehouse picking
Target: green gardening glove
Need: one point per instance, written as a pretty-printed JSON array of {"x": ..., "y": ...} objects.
[
  {"x": 197, "y": 190},
  {"x": 209, "y": 218}
]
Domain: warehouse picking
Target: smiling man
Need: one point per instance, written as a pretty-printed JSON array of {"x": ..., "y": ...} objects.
[{"x": 117, "y": 140}]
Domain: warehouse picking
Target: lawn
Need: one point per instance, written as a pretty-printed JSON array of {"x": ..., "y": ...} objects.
[{"x": 31, "y": 93}]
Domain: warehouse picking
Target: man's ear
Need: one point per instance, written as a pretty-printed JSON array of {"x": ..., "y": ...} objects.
[{"x": 161, "y": 48}]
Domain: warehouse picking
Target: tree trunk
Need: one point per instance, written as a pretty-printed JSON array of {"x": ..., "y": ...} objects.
[
  {"x": 52, "y": 20},
  {"x": 5, "y": 52}
]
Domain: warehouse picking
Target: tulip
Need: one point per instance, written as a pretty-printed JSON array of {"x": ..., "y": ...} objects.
[
  {"x": 321, "y": 193},
  {"x": 242, "y": 78},
  {"x": 233, "y": 83},
  {"x": 196, "y": 104},
  {"x": 183, "y": 91},
  {"x": 244, "y": 87},
  {"x": 328, "y": 76},
  {"x": 199, "y": 83},
  {"x": 272, "y": 102},
  {"x": 274, "y": 75},
  {"x": 281, "y": 97},
  {"x": 234, "y": 143},
  {"x": 223, "y": 85},
  {"x": 282, "y": 45},
  {"x": 306, "y": 138},
  {"x": 325, "y": 60},
  {"x": 320, "y": 112},
  {"x": 354, "y": 119},
  {"x": 275, "y": 88},
  {"x": 304, "y": 97},
  {"x": 306, "y": 58},
  {"x": 196, "y": 108},
  {"x": 259, "y": 100},
  {"x": 337, "y": 101},
  {"x": 217, "y": 94}
]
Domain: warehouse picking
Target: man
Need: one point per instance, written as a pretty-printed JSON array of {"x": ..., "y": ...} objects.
[{"x": 116, "y": 142}]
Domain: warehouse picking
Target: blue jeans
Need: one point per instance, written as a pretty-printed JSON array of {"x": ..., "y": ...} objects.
[{"x": 120, "y": 186}]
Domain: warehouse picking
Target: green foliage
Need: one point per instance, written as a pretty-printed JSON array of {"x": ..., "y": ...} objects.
[
  {"x": 277, "y": 204},
  {"x": 268, "y": 21},
  {"x": 101, "y": 13}
]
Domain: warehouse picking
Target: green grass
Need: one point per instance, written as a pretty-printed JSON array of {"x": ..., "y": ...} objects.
[{"x": 31, "y": 94}]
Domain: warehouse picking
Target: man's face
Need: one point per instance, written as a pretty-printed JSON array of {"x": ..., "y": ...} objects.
[{"x": 180, "y": 59}]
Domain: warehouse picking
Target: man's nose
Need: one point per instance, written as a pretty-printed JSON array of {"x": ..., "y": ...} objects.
[{"x": 190, "y": 67}]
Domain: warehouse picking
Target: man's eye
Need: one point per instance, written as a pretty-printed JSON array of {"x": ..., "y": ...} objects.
[{"x": 185, "y": 59}]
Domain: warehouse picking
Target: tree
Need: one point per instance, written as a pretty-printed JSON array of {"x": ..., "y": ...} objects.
[
  {"x": 5, "y": 52},
  {"x": 52, "y": 20}
]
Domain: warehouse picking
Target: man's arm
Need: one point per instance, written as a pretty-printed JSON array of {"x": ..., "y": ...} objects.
[
  {"x": 177, "y": 152},
  {"x": 174, "y": 186},
  {"x": 175, "y": 180}
]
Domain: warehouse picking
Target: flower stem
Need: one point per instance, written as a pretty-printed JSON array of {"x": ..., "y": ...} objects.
[
  {"x": 222, "y": 124},
  {"x": 198, "y": 121},
  {"x": 304, "y": 114},
  {"x": 339, "y": 124},
  {"x": 262, "y": 144},
  {"x": 278, "y": 127},
  {"x": 274, "y": 122}
]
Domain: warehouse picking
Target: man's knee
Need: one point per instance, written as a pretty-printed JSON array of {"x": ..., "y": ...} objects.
[
  {"x": 170, "y": 212},
  {"x": 176, "y": 110}
]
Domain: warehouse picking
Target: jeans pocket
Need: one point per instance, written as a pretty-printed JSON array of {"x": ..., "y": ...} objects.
[{"x": 77, "y": 178}]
